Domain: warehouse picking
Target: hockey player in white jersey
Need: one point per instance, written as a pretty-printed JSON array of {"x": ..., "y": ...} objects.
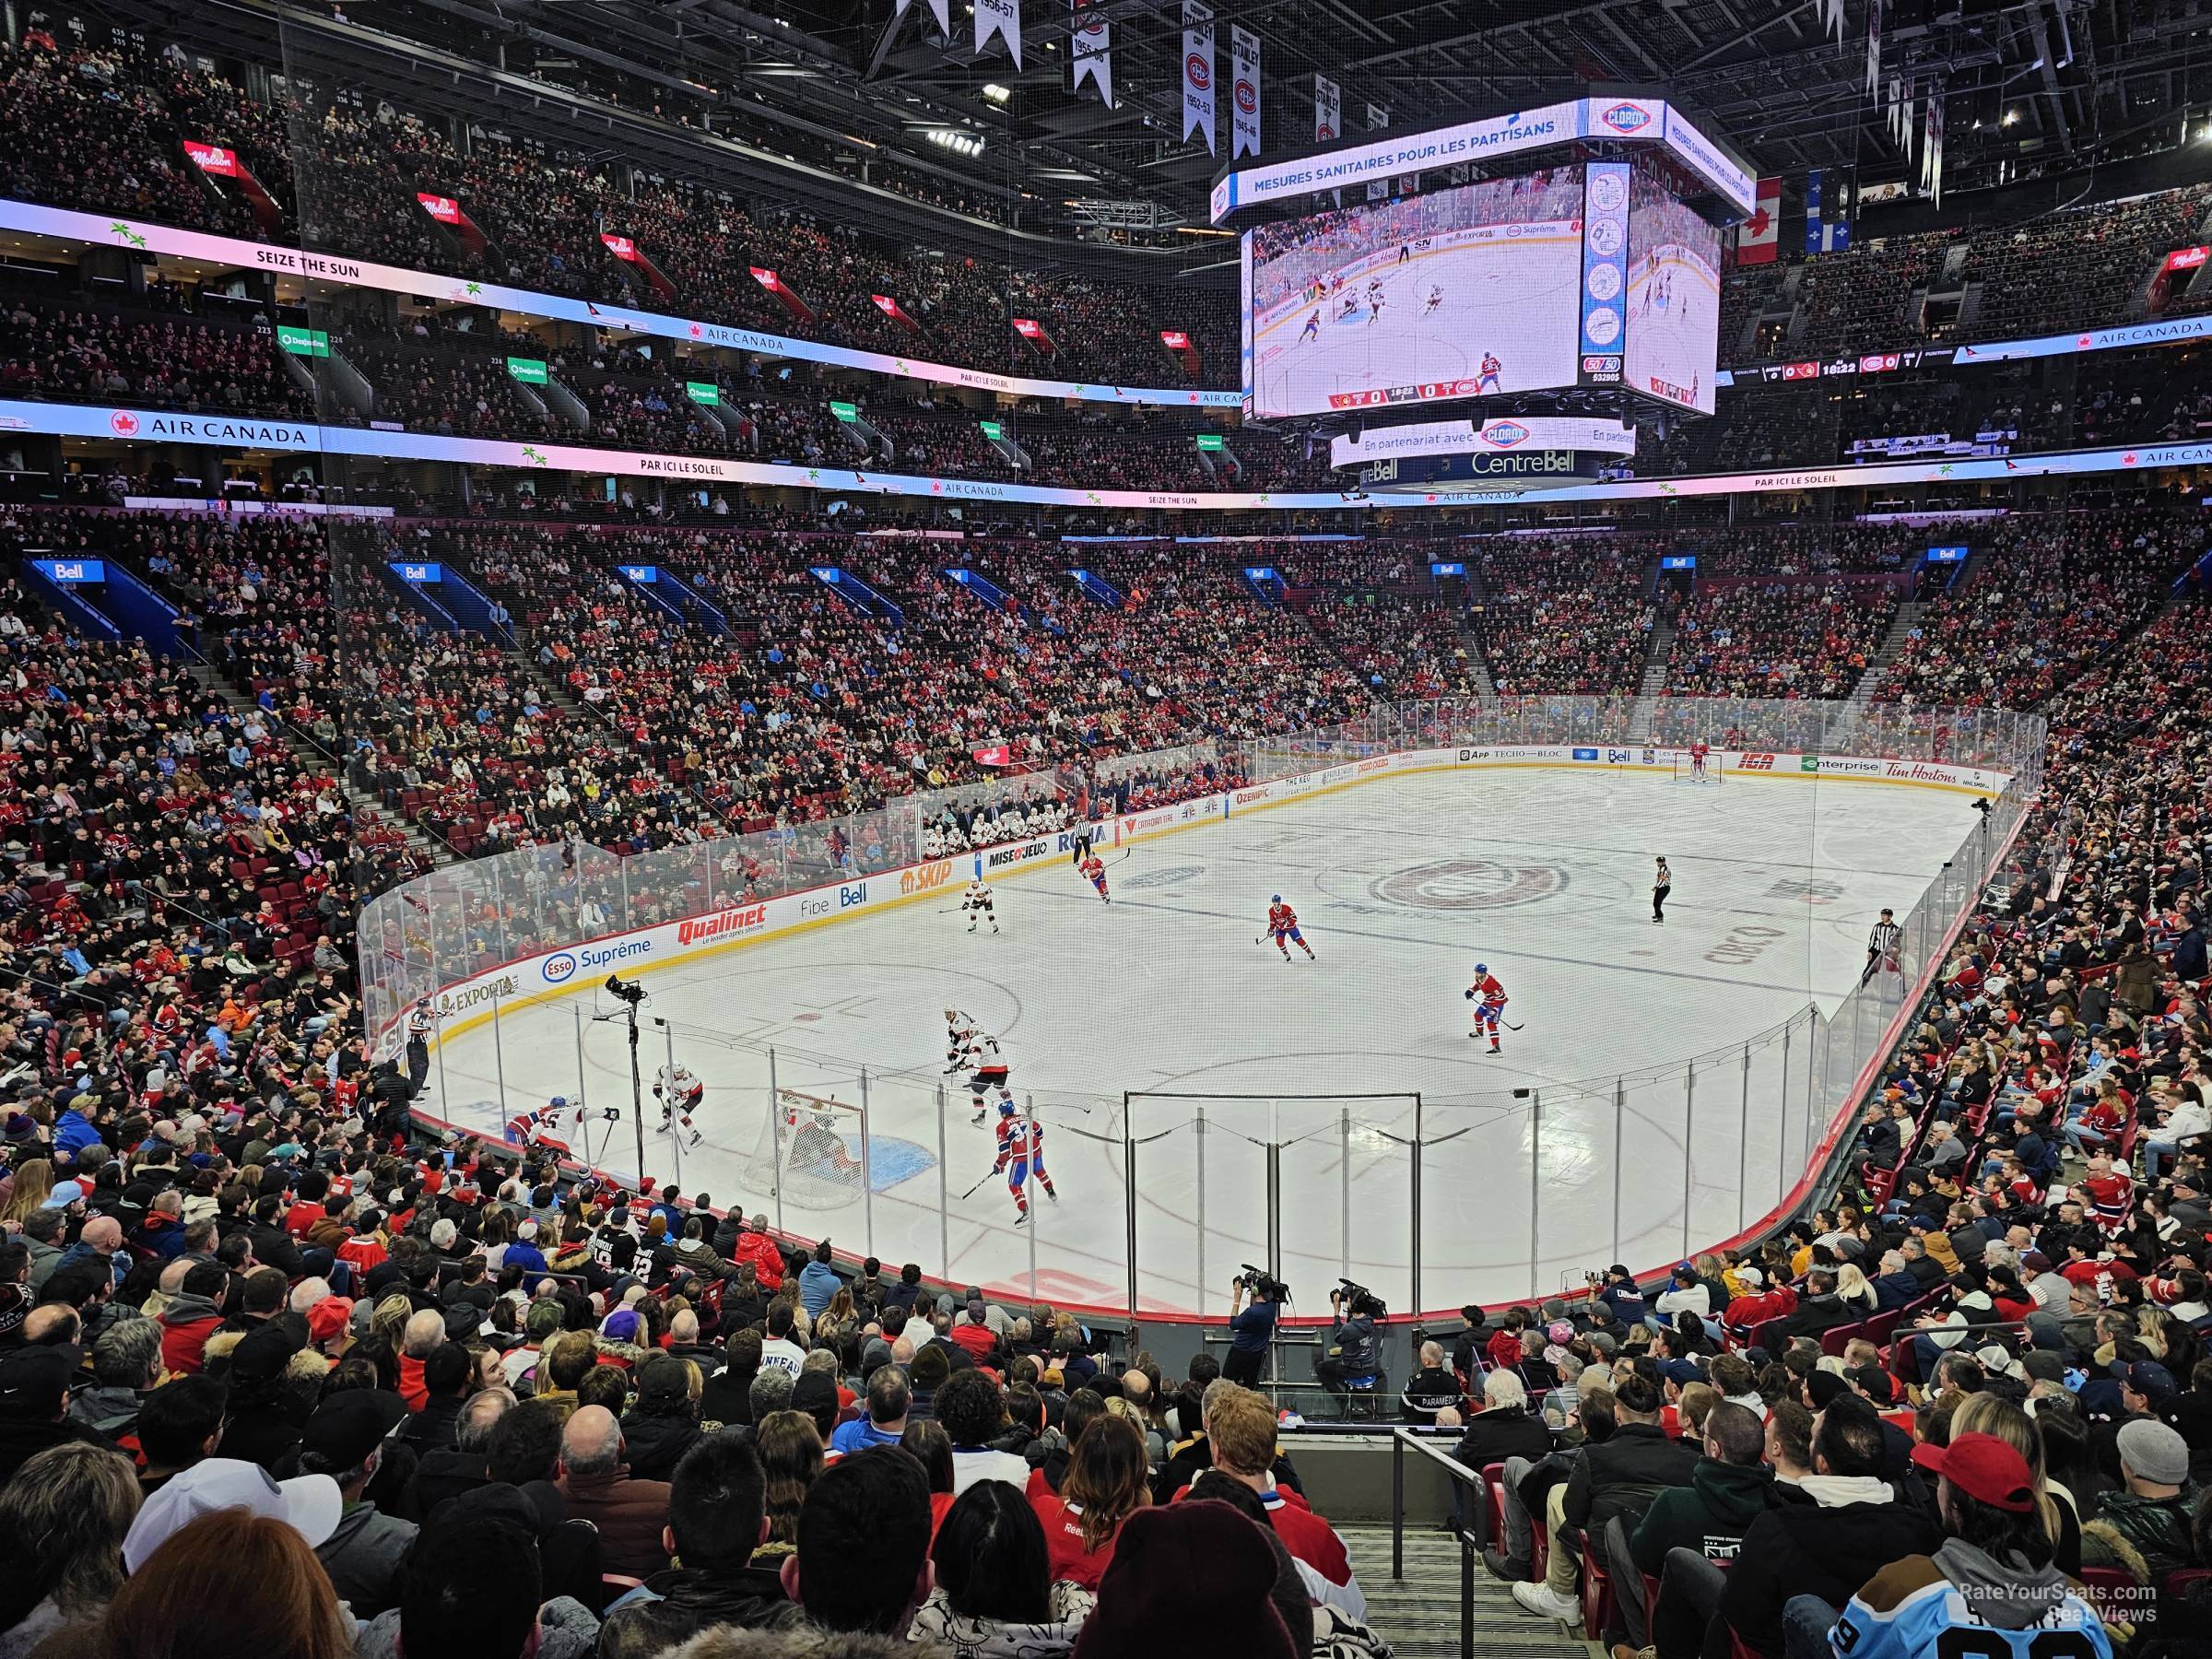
[
  {"x": 972, "y": 1048},
  {"x": 976, "y": 903},
  {"x": 680, "y": 1094}
]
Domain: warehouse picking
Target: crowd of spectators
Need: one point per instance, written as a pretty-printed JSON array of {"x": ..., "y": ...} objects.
[
  {"x": 102, "y": 122},
  {"x": 99, "y": 120},
  {"x": 1565, "y": 613},
  {"x": 424, "y": 1405},
  {"x": 420, "y": 1376},
  {"x": 2051, "y": 596},
  {"x": 85, "y": 353},
  {"x": 1778, "y": 639}
]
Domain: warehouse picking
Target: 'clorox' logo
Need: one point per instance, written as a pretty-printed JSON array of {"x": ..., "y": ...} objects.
[
  {"x": 558, "y": 968},
  {"x": 1504, "y": 434},
  {"x": 1627, "y": 118},
  {"x": 1198, "y": 71}
]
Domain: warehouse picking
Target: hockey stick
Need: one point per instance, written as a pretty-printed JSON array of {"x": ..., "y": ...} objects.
[
  {"x": 972, "y": 1191},
  {"x": 1508, "y": 1024}
]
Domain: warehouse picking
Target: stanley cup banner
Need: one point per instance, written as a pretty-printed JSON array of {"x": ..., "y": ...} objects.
[
  {"x": 1092, "y": 54},
  {"x": 1000, "y": 18},
  {"x": 1328, "y": 109},
  {"x": 1198, "y": 72},
  {"x": 1874, "y": 50},
  {"x": 1244, "y": 91},
  {"x": 940, "y": 9},
  {"x": 1931, "y": 154}
]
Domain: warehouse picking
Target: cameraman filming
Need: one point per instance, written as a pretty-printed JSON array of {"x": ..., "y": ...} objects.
[
  {"x": 1354, "y": 1349},
  {"x": 1250, "y": 1329}
]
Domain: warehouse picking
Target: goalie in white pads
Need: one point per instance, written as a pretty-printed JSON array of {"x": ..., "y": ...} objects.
[
  {"x": 976, "y": 903},
  {"x": 680, "y": 1094}
]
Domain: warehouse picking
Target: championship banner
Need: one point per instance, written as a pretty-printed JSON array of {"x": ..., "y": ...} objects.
[
  {"x": 1328, "y": 109},
  {"x": 1198, "y": 72},
  {"x": 1090, "y": 47},
  {"x": 1000, "y": 18},
  {"x": 940, "y": 9},
  {"x": 1874, "y": 50},
  {"x": 1244, "y": 91},
  {"x": 1378, "y": 120},
  {"x": 1931, "y": 155}
]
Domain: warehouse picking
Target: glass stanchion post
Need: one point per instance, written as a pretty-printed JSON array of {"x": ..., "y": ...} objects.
[{"x": 867, "y": 1183}]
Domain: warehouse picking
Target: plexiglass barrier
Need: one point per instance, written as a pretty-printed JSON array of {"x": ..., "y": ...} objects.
[{"x": 1429, "y": 1199}]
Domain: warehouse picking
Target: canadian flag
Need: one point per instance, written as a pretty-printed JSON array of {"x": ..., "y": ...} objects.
[{"x": 1756, "y": 238}]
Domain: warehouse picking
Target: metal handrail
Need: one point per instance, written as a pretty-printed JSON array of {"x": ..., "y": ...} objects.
[{"x": 1468, "y": 1543}]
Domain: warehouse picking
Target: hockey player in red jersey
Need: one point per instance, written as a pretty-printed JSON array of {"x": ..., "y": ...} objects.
[
  {"x": 1489, "y": 999},
  {"x": 1095, "y": 868},
  {"x": 1699, "y": 754},
  {"x": 1020, "y": 1150},
  {"x": 1282, "y": 927}
]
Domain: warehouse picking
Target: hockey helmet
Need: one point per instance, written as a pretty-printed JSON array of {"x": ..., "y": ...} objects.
[
  {"x": 560, "y": 1099},
  {"x": 1005, "y": 1107},
  {"x": 1482, "y": 967},
  {"x": 1278, "y": 899}
]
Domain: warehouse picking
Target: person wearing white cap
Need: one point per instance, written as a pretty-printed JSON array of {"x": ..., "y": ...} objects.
[{"x": 309, "y": 1504}]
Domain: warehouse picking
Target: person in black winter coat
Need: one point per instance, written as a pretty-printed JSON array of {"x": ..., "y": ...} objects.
[
  {"x": 662, "y": 1424},
  {"x": 445, "y": 1373},
  {"x": 715, "y": 1504},
  {"x": 1844, "y": 1525}
]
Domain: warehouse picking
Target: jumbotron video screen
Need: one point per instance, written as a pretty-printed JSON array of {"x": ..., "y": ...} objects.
[
  {"x": 1673, "y": 296},
  {"x": 1469, "y": 292}
]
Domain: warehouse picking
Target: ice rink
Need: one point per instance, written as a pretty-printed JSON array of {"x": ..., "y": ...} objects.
[
  {"x": 1674, "y": 339},
  {"x": 1402, "y": 884},
  {"x": 1514, "y": 299}
]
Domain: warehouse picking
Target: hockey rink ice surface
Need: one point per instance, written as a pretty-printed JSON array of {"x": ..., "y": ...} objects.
[
  {"x": 1676, "y": 343},
  {"x": 1401, "y": 886}
]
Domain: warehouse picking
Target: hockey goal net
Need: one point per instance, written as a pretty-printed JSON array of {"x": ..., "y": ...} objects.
[
  {"x": 1688, "y": 770},
  {"x": 810, "y": 1153}
]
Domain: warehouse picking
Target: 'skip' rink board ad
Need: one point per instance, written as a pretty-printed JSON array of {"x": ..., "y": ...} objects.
[{"x": 1404, "y": 870}]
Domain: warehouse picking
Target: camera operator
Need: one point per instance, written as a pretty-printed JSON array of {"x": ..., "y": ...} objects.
[
  {"x": 1354, "y": 1349},
  {"x": 1251, "y": 1328}
]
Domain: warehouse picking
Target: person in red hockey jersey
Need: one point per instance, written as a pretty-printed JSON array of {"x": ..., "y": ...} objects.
[
  {"x": 1020, "y": 1150},
  {"x": 1489, "y": 999},
  {"x": 1699, "y": 754},
  {"x": 1282, "y": 927},
  {"x": 1095, "y": 868}
]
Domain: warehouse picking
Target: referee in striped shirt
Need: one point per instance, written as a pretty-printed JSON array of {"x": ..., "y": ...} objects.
[{"x": 1885, "y": 943}]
